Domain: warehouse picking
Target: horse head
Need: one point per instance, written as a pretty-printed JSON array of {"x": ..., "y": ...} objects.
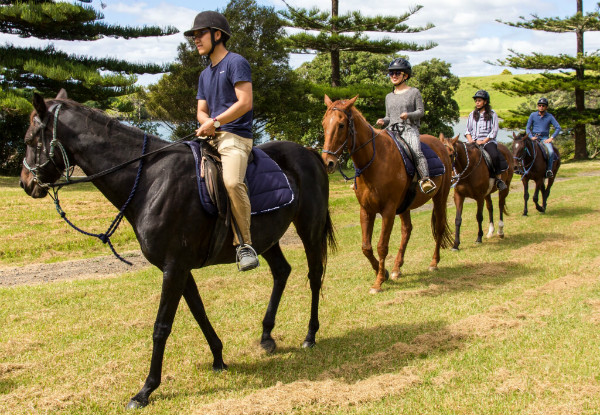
[
  {"x": 520, "y": 150},
  {"x": 44, "y": 161},
  {"x": 338, "y": 128},
  {"x": 449, "y": 144}
]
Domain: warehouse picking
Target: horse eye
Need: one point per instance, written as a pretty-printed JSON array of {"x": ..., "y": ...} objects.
[{"x": 342, "y": 125}]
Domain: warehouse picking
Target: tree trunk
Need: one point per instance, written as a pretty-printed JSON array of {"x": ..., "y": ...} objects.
[
  {"x": 335, "y": 52},
  {"x": 581, "y": 152}
]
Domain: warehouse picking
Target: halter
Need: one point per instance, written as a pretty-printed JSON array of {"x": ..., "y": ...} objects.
[
  {"x": 461, "y": 176},
  {"x": 41, "y": 147},
  {"x": 521, "y": 160},
  {"x": 351, "y": 134}
]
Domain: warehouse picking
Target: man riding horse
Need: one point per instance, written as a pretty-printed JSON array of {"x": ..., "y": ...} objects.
[{"x": 538, "y": 128}]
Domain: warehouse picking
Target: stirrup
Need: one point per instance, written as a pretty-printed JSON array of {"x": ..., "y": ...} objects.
[
  {"x": 549, "y": 174},
  {"x": 246, "y": 258},
  {"x": 500, "y": 185},
  {"x": 427, "y": 185}
]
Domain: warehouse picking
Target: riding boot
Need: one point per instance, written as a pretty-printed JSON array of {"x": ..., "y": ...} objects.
[
  {"x": 549, "y": 173},
  {"x": 247, "y": 258},
  {"x": 500, "y": 183}
]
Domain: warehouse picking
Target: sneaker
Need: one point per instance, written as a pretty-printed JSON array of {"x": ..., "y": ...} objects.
[
  {"x": 549, "y": 174},
  {"x": 246, "y": 258},
  {"x": 427, "y": 185},
  {"x": 500, "y": 184}
]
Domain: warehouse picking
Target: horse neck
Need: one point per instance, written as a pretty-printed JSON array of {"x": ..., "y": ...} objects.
[{"x": 363, "y": 134}]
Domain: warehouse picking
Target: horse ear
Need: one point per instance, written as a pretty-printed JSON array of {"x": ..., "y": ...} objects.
[
  {"x": 455, "y": 139},
  {"x": 352, "y": 101},
  {"x": 328, "y": 101},
  {"x": 441, "y": 137},
  {"x": 40, "y": 105},
  {"x": 62, "y": 94}
]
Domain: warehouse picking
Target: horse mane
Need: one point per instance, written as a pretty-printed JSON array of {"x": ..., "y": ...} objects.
[
  {"x": 341, "y": 103},
  {"x": 102, "y": 118}
]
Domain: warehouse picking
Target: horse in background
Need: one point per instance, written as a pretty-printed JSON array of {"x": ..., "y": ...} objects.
[
  {"x": 473, "y": 180},
  {"x": 531, "y": 165},
  {"x": 383, "y": 184},
  {"x": 173, "y": 229}
]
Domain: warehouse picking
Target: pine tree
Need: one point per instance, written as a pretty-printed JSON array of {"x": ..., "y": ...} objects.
[
  {"x": 332, "y": 27},
  {"x": 572, "y": 79},
  {"x": 47, "y": 69}
]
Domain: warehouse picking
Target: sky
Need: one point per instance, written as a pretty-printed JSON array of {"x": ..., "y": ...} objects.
[{"x": 466, "y": 31}]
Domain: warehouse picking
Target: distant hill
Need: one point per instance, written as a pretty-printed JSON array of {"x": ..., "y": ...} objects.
[{"x": 501, "y": 102}]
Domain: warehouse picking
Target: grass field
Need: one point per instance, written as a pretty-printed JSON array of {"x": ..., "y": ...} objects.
[
  {"x": 501, "y": 102},
  {"x": 510, "y": 326}
]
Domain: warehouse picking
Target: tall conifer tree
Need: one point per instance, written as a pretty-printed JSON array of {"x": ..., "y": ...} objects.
[
  {"x": 332, "y": 30},
  {"x": 574, "y": 79}
]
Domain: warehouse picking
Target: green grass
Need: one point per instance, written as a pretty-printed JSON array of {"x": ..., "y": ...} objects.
[
  {"x": 500, "y": 101},
  {"x": 508, "y": 326}
]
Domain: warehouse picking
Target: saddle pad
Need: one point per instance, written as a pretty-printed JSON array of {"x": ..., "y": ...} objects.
[
  {"x": 268, "y": 186},
  {"x": 434, "y": 164}
]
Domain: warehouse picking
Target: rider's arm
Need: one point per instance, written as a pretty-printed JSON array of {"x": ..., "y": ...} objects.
[
  {"x": 243, "y": 92},
  {"x": 556, "y": 125},
  {"x": 494, "y": 131},
  {"x": 528, "y": 126},
  {"x": 418, "y": 113},
  {"x": 470, "y": 125}
]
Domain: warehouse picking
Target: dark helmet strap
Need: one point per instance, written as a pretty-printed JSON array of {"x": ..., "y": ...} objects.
[{"x": 213, "y": 41}]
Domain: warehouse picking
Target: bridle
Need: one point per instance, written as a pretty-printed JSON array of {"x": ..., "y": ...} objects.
[
  {"x": 461, "y": 176},
  {"x": 520, "y": 161},
  {"x": 351, "y": 137},
  {"x": 41, "y": 148}
]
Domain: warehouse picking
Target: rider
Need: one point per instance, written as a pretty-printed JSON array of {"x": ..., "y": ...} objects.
[
  {"x": 538, "y": 126},
  {"x": 225, "y": 114},
  {"x": 482, "y": 127},
  {"x": 404, "y": 107}
]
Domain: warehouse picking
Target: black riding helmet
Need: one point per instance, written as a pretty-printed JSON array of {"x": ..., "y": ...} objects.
[
  {"x": 543, "y": 101},
  {"x": 483, "y": 94},
  {"x": 401, "y": 64},
  {"x": 213, "y": 21}
]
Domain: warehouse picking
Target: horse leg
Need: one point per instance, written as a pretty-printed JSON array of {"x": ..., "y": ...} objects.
[
  {"x": 280, "y": 269},
  {"x": 525, "y": 194},
  {"x": 194, "y": 302},
  {"x": 490, "y": 208},
  {"x": 174, "y": 282},
  {"x": 546, "y": 194},
  {"x": 387, "y": 224},
  {"x": 539, "y": 188},
  {"x": 502, "y": 207},
  {"x": 479, "y": 217},
  {"x": 406, "y": 231},
  {"x": 458, "y": 201},
  {"x": 367, "y": 221}
]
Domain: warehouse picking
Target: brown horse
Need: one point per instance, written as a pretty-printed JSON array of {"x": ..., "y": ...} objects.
[
  {"x": 473, "y": 180},
  {"x": 382, "y": 183},
  {"x": 531, "y": 165}
]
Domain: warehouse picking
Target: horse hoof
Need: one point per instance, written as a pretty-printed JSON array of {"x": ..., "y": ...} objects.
[
  {"x": 268, "y": 346},
  {"x": 133, "y": 404},
  {"x": 540, "y": 209},
  {"x": 221, "y": 367},
  {"x": 387, "y": 275},
  {"x": 375, "y": 290},
  {"x": 308, "y": 344},
  {"x": 524, "y": 214},
  {"x": 433, "y": 269},
  {"x": 501, "y": 235},
  {"x": 455, "y": 249},
  {"x": 395, "y": 275},
  {"x": 489, "y": 235},
  {"x": 478, "y": 242}
]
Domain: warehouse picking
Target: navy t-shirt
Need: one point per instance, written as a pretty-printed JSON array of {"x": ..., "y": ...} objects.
[{"x": 216, "y": 87}]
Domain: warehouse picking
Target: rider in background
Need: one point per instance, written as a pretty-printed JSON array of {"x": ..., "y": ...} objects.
[
  {"x": 404, "y": 110},
  {"x": 482, "y": 128},
  {"x": 225, "y": 114},
  {"x": 538, "y": 127}
]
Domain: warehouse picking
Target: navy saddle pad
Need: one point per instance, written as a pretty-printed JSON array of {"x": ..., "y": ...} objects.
[
  {"x": 268, "y": 186},
  {"x": 435, "y": 165}
]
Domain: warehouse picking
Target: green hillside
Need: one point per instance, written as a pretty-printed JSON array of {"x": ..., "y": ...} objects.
[{"x": 501, "y": 102}]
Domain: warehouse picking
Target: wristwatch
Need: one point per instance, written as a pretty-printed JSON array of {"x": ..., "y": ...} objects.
[{"x": 216, "y": 122}]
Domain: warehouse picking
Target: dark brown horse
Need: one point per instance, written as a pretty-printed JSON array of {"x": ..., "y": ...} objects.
[
  {"x": 383, "y": 183},
  {"x": 173, "y": 229},
  {"x": 531, "y": 165},
  {"x": 473, "y": 180}
]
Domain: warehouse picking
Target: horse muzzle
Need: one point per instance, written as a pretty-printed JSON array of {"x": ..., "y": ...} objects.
[
  {"x": 330, "y": 162},
  {"x": 29, "y": 183}
]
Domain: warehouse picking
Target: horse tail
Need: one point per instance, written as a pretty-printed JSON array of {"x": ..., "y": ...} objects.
[
  {"x": 447, "y": 240},
  {"x": 328, "y": 242}
]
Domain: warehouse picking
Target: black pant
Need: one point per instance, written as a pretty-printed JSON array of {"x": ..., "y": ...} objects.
[{"x": 492, "y": 148}]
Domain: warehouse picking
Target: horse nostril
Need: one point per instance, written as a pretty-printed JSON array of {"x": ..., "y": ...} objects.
[{"x": 330, "y": 165}]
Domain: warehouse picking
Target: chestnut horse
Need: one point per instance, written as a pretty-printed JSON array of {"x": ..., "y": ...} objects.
[
  {"x": 382, "y": 183},
  {"x": 531, "y": 165},
  {"x": 473, "y": 180}
]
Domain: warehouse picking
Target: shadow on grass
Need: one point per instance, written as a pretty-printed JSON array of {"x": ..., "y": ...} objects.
[{"x": 568, "y": 211}]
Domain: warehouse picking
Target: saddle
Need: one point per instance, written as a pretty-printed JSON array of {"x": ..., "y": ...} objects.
[
  {"x": 490, "y": 164},
  {"x": 543, "y": 149}
]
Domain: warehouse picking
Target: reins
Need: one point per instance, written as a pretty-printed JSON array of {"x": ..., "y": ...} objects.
[
  {"x": 461, "y": 176},
  {"x": 521, "y": 159}
]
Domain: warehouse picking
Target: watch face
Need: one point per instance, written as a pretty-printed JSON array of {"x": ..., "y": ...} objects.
[{"x": 216, "y": 123}]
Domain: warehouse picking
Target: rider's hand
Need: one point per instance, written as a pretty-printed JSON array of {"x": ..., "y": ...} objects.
[
  {"x": 207, "y": 129},
  {"x": 380, "y": 122},
  {"x": 549, "y": 140},
  {"x": 404, "y": 115}
]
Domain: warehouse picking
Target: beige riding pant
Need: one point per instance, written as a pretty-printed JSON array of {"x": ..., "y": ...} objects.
[{"x": 234, "y": 151}]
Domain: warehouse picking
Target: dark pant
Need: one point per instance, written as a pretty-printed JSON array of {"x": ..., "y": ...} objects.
[{"x": 492, "y": 148}]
